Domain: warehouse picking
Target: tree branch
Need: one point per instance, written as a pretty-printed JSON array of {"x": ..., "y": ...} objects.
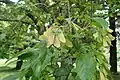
[{"x": 12, "y": 20}]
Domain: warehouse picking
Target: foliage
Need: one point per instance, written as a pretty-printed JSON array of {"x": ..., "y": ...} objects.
[
  {"x": 68, "y": 40},
  {"x": 114, "y": 7}
]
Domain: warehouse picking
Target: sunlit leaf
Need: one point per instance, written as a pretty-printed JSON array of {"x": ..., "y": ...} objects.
[
  {"x": 75, "y": 26},
  {"x": 109, "y": 30},
  {"x": 51, "y": 38},
  {"x": 69, "y": 43},
  {"x": 57, "y": 42},
  {"x": 61, "y": 37},
  {"x": 95, "y": 35}
]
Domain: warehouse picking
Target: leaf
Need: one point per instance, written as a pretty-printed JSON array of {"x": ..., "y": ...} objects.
[
  {"x": 12, "y": 77},
  {"x": 46, "y": 61},
  {"x": 25, "y": 56},
  {"x": 95, "y": 35},
  {"x": 41, "y": 60},
  {"x": 102, "y": 77},
  {"x": 60, "y": 72},
  {"x": 28, "y": 50},
  {"x": 42, "y": 37},
  {"x": 69, "y": 43},
  {"x": 111, "y": 37},
  {"x": 61, "y": 37},
  {"x": 105, "y": 42},
  {"x": 56, "y": 42},
  {"x": 40, "y": 66},
  {"x": 85, "y": 67},
  {"x": 37, "y": 69},
  {"x": 14, "y": 61},
  {"x": 75, "y": 26},
  {"x": 2, "y": 36},
  {"x": 101, "y": 22},
  {"x": 46, "y": 33},
  {"x": 37, "y": 60},
  {"x": 54, "y": 36},
  {"x": 50, "y": 35},
  {"x": 51, "y": 38},
  {"x": 109, "y": 30}
]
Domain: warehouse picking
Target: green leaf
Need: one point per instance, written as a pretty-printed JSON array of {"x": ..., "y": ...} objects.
[
  {"x": 25, "y": 56},
  {"x": 37, "y": 70},
  {"x": 60, "y": 72},
  {"x": 2, "y": 36},
  {"x": 12, "y": 77},
  {"x": 85, "y": 67},
  {"x": 101, "y": 22},
  {"x": 69, "y": 43},
  {"x": 41, "y": 59},
  {"x": 75, "y": 26}
]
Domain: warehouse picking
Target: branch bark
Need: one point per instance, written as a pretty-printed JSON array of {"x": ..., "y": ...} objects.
[{"x": 113, "y": 48}]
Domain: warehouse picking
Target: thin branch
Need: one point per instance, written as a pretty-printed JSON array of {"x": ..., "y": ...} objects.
[{"x": 12, "y": 20}]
